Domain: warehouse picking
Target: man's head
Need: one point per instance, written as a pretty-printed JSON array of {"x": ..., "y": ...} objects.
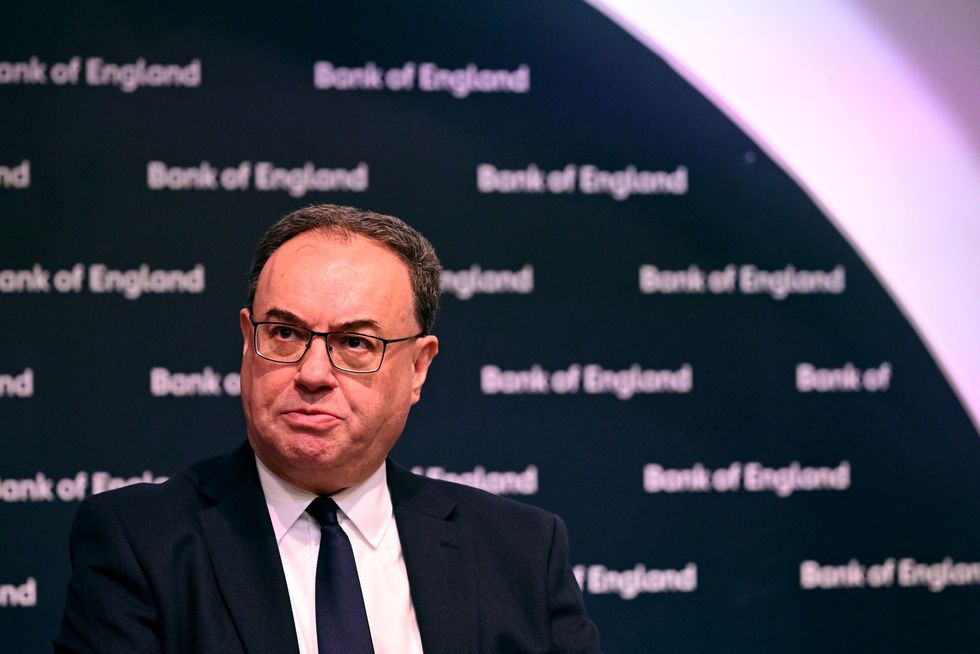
[
  {"x": 326, "y": 268},
  {"x": 413, "y": 248}
]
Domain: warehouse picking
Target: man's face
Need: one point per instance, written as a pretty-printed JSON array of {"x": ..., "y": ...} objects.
[{"x": 317, "y": 427}]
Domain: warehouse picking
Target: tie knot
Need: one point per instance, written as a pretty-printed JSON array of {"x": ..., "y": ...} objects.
[{"x": 324, "y": 510}]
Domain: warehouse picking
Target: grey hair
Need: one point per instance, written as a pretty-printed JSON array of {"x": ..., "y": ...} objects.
[{"x": 411, "y": 247}]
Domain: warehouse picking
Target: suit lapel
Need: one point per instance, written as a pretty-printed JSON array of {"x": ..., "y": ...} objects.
[
  {"x": 439, "y": 561},
  {"x": 245, "y": 556}
]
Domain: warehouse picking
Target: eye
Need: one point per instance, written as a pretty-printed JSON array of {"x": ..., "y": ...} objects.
[
  {"x": 284, "y": 332},
  {"x": 357, "y": 343}
]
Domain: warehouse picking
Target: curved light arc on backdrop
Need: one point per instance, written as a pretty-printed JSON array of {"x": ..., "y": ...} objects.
[{"x": 827, "y": 95}]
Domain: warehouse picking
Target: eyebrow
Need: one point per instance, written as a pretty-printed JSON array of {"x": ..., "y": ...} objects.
[{"x": 276, "y": 313}]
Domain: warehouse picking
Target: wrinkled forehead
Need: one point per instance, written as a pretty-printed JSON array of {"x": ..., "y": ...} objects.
[{"x": 352, "y": 273}]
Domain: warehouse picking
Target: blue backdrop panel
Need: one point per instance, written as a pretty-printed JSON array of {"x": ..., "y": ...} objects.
[{"x": 647, "y": 327}]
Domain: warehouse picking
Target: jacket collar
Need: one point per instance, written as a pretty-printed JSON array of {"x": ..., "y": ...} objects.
[
  {"x": 244, "y": 554},
  {"x": 440, "y": 560}
]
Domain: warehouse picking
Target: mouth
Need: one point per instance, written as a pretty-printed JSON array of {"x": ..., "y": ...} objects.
[{"x": 309, "y": 419}]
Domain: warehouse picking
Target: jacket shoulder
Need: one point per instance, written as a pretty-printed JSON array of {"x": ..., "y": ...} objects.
[
  {"x": 141, "y": 502},
  {"x": 453, "y": 500}
]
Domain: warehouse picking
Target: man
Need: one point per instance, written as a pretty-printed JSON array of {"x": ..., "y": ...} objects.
[{"x": 306, "y": 538}]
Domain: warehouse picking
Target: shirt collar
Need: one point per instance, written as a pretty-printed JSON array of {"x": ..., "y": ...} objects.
[{"x": 367, "y": 505}]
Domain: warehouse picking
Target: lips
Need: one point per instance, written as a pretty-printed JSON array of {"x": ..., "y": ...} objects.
[{"x": 309, "y": 419}]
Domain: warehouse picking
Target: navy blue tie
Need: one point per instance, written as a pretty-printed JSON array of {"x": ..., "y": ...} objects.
[{"x": 341, "y": 621}]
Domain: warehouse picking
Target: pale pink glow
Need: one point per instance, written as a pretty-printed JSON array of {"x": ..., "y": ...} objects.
[{"x": 830, "y": 97}]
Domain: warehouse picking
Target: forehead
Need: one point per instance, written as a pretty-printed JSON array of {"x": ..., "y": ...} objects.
[{"x": 315, "y": 273}]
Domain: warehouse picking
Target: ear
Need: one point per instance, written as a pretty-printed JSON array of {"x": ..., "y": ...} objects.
[
  {"x": 426, "y": 349},
  {"x": 246, "y": 326}
]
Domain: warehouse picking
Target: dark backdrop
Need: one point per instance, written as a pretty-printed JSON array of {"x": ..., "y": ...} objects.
[{"x": 745, "y": 461}]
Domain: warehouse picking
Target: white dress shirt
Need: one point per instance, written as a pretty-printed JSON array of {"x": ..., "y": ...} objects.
[{"x": 367, "y": 518}]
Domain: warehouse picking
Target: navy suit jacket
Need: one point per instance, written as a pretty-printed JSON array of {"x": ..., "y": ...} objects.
[{"x": 192, "y": 565}]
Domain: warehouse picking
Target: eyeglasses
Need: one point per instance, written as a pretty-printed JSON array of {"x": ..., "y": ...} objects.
[{"x": 282, "y": 342}]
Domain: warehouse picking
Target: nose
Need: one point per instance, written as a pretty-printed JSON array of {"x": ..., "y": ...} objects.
[{"x": 315, "y": 370}]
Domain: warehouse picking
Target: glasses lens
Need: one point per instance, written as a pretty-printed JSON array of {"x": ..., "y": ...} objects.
[
  {"x": 285, "y": 343},
  {"x": 355, "y": 352}
]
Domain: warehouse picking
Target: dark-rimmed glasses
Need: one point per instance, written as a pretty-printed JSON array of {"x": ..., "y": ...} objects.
[{"x": 283, "y": 342}]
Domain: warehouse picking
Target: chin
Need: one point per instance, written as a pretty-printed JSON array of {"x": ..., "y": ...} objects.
[{"x": 310, "y": 447}]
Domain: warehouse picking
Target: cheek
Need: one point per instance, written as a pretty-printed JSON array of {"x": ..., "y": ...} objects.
[
  {"x": 261, "y": 388},
  {"x": 370, "y": 402},
  {"x": 245, "y": 388},
  {"x": 391, "y": 400},
  {"x": 246, "y": 377}
]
